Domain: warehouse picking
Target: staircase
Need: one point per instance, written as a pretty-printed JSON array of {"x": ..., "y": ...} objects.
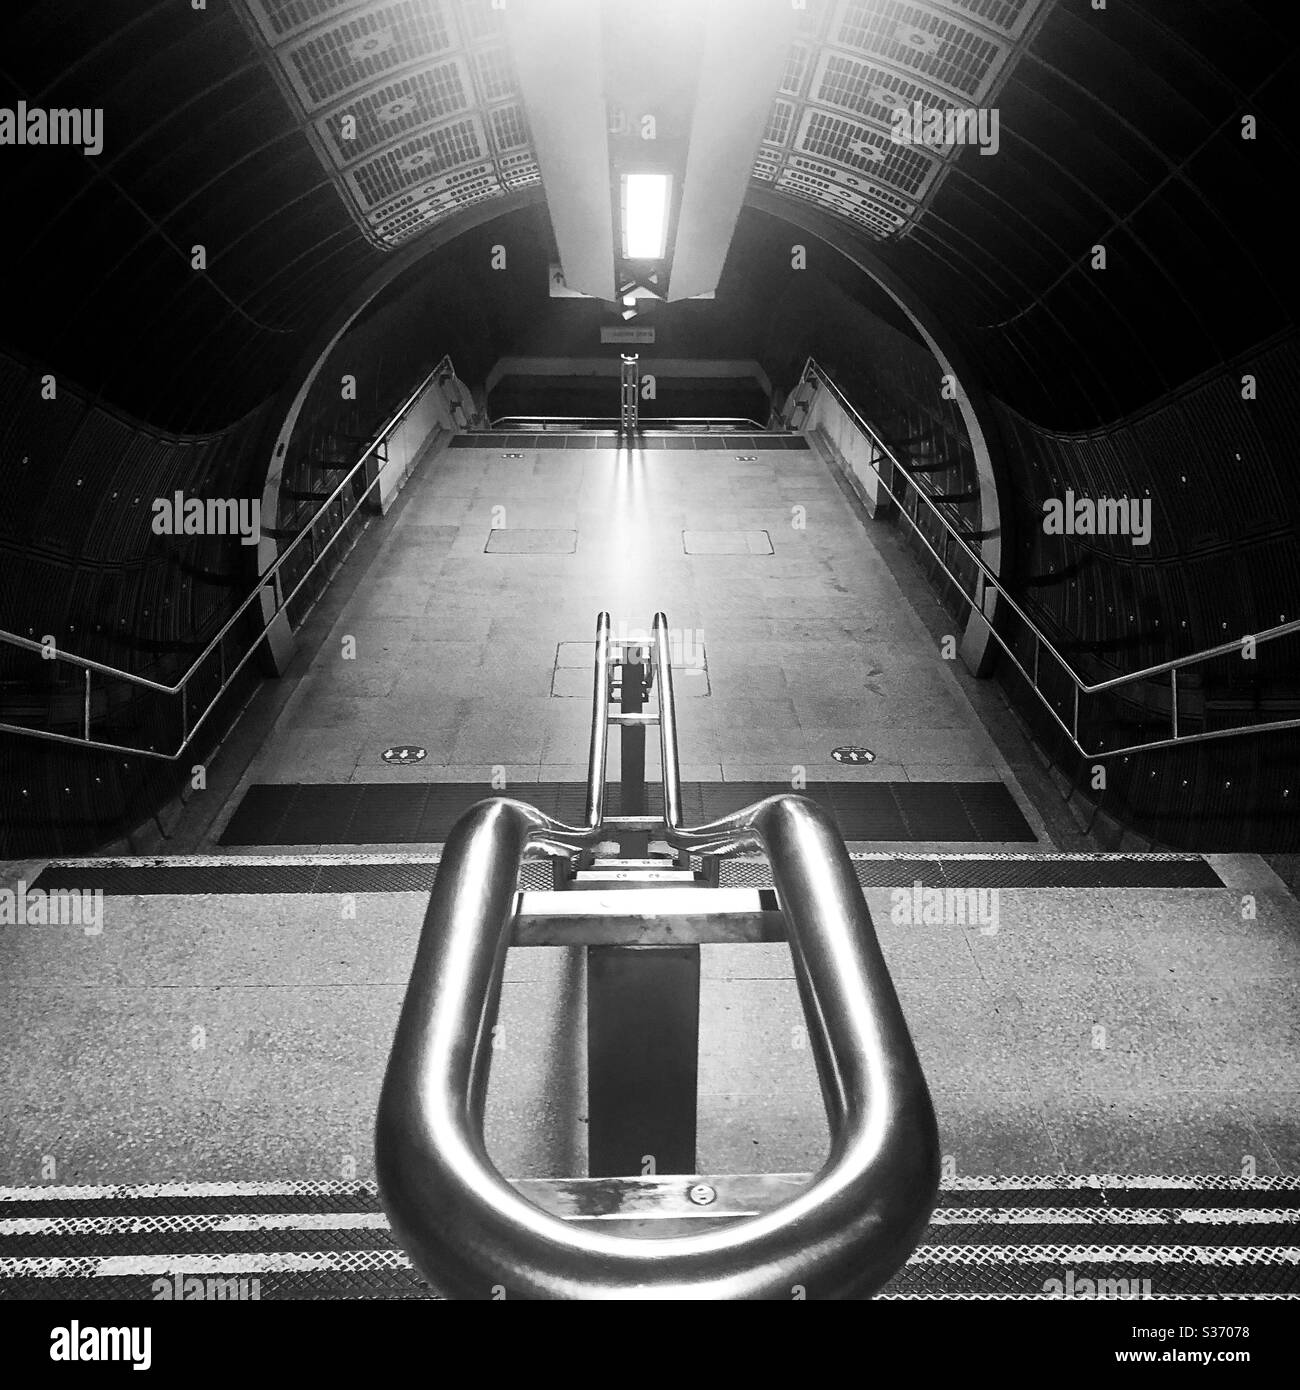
[{"x": 1056, "y": 1038}]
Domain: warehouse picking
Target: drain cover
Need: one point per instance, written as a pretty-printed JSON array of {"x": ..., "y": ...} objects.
[
  {"x": 404, "y": 754},
  {"x": 853, "y": 755}
]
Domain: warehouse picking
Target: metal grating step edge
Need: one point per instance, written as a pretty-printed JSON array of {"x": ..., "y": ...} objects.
[
  {"x": 367, "y": 873},
  {"x": 434, "y": 855}
]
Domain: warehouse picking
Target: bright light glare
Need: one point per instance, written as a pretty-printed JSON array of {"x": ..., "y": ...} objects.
[{"x": 645, "y": 216}]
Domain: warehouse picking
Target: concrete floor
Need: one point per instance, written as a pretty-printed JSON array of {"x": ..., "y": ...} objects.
[
  {"x": 484, "y": 658},
  {"x": 244, "y": 1037}
]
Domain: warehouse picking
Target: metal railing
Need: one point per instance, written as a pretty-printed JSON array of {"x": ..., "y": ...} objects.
[
  {"x": 268, "y": 582},
  {"x": 475, "y": 1235},
  {"x": 952, "y": 538},
  {"x": 726, "y": 836}
]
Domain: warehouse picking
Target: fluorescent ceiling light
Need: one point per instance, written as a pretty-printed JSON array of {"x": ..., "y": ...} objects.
[{"x": 645, "y": 216}]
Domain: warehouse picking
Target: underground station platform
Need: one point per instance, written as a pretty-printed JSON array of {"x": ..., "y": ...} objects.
[{"x": 648, "y": 652}]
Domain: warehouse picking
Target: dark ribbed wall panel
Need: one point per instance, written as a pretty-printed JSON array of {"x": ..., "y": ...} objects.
[
  {"x": 1223, "y": 562},
  {"x": 79, "y": 562},
  {"x": 80, "y": 484},
  {"x": 1223, "y": 558}
]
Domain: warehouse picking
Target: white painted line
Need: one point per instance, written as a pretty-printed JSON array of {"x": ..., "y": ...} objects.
[
  {"x": 187, "y": 1189},
  {"x": 1021, "y": 856},
  {"x": 1049, "y": 1298},
  {"x": 355, "y": 1261},
  {"x": 1056, "y": 1182},
  {"x": 218, "y": 1224},
  {"x": 268, "y": 1262},
  {"x": 1106, "y": 1254},
  {"x": 305, "y": 1221},
  {"x": 200, "y": 1224},
  {"x": 1227, "y": 1216},
  {"x": 1113, "y": 1216},
  {"x": 1122, "y": 1182},
  {"x": 241, "y": 861}
]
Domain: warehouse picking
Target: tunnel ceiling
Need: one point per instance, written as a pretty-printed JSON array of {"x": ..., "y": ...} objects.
[{"x": 225, "y": 128}]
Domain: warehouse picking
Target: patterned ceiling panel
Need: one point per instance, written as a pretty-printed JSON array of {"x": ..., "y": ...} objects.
[
  {"x": 398, "y": 108},
  {"x": 412, "y": 105},
  {"x": 282, "y": 19},
  {"x": 1007, "y": 17},
  {"x": 829, "y": 137}
]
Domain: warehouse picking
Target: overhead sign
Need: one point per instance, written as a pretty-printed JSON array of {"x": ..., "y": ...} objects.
[{"x": 627, "y": 335}]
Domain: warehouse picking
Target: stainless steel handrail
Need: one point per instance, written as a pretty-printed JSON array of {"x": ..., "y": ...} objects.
[
  {"x": 729, "y": 835},
  {"x": 813, "y": 373},
  {"x": 669, "y": 766},
  {"x": 265, "y": 581},
  {"x": 475, "y": 1237},
  {"x": 597, "y": 756}
]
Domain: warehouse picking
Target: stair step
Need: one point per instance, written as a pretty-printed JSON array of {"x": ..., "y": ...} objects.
[
  {"x": 415, "y": 872},
  {"x": 998, "y": 1236}
]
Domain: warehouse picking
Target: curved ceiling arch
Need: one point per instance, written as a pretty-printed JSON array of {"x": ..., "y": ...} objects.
[{"x": 226, "y": 127}]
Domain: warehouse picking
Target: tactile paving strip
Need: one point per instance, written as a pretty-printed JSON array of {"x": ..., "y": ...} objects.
[
  {"x": 731, "y": 443},
  {"x": 1060, "y": 1237},
  {"x": 190, "y": 878},
  {"x": 424, "y": 812},
  {"x": 396, "y": 876},
  {"x": 1005, "y": 871}
]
